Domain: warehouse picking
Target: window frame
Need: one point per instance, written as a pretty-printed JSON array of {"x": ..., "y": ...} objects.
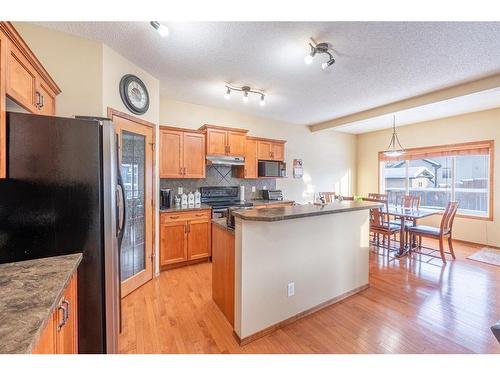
[{"x": 468, "y": 146}]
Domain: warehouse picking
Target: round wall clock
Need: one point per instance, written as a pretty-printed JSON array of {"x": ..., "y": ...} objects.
[{"x": 134, "y": 94}]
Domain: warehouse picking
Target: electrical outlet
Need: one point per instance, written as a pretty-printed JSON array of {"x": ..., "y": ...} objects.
[
  {"x": 253, "y": 189},
  {"x": 180, "y": 190},
  {"x": 290, "y": 289}
]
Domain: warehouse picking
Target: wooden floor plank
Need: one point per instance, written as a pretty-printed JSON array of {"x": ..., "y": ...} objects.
[{"x": 411, "y": 306}]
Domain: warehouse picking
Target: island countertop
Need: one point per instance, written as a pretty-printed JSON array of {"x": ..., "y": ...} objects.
[
  {"x": 296, "y": 212},
  {"x": 29, "y": 292}
]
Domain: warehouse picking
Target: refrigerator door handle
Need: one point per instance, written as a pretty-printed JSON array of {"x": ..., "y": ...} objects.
[{"x": 120, "y": 211}]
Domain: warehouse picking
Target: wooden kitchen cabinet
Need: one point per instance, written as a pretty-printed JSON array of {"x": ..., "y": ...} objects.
[
  {"x": 173, "y": 242},
  {"x": 223, "y": 141},
  {"x": 182, "y": 153},
  {"x": 185, "y": 237},
  {"x": 271, "y": 149},
  {"x": 60, "y": 336},
  {"x": 249, "y": 170},
  {"x": 24, "y": 80}
]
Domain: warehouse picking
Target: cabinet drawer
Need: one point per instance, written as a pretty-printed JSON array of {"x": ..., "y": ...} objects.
[{"x": 167, "y": 217}]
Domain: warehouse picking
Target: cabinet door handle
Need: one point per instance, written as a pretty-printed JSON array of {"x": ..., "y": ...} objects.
[
  {"x": 189, "y": 228},
  {"x": 199, "y": 215},
  {"x": 185, "y": 171},
  {"x": 61, "y": 324},
  {"x": 66, "y": 303},
  {"x": 185, "y": 228},
  {"x": 180, "y": 171},
  {"x": 174, "y": 217},
  {"x": 37, "y": 94},
  {"x": 42, "y": 101}
]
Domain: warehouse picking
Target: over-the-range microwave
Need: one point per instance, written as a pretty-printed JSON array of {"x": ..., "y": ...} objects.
[{"x": 269, "y": 168}]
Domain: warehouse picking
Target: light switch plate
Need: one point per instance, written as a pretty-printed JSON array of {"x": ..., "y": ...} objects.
[{"x": 290, "y": 289}]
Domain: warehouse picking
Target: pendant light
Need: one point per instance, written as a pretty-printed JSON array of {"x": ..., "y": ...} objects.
[{"x": 395, "y": 149}]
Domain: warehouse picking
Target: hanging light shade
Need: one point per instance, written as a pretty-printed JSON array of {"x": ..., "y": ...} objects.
[{"x": 395, "y": 149}]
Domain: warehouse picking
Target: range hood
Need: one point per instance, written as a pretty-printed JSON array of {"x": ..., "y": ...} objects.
[{"x": 225, "y": 160}]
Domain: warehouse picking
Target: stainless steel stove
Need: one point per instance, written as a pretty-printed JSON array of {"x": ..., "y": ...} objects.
[{"x": 220, "y": 198}]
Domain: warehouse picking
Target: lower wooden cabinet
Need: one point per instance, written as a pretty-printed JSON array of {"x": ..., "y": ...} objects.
[
  {"x": 184, "y": 237},
  {"x": 60, "y": 336}
]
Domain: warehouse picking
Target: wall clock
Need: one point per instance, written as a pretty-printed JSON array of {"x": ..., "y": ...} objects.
[{"x": 134, "y": 94}]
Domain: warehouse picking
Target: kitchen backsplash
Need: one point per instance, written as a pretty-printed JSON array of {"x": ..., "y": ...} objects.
[{"x": 219, "y": 176}]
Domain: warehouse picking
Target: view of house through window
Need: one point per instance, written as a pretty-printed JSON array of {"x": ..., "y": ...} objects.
[{"x": 439, "y": 176}]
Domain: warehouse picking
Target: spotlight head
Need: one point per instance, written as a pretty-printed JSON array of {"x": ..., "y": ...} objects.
[
  {"x": 161, "y": 29},
  {"x": 327, "y": 64},
  {"x": 227, "y": 95},
  {"x": 262, "y": 101}
]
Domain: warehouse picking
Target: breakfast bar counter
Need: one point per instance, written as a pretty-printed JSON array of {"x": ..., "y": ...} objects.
[{"x": 292, "y": 261}]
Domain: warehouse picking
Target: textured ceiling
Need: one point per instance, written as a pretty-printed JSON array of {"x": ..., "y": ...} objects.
[{"x": 377, "y": 62}]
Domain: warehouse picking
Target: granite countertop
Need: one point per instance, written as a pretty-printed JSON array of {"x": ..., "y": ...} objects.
[
  {"x": 221, "y": 222},
  {"x": 187, "y": 208},
  {"x": 257, "y": 202},
  {"x": 29, "y": 292},
  {"x": 295, "y": 212}
]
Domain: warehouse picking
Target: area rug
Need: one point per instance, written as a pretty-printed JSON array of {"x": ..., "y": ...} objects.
[{"x": 487, "y": 255}]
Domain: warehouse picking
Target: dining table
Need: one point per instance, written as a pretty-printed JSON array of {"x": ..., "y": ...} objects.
[{"x": 407, "y": 214}]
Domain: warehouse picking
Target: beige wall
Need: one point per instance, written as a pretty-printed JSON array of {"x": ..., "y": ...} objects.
[
  {"x": 329, "y": 157},
  {"x": 114, "y": 67},
  {"x": 74, "y": 63},
  {"x": 477, "y": 126}
]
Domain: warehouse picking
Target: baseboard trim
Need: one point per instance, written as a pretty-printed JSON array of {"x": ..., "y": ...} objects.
[
  {"x": 298, "y": 316},
  {"x": 476, "y": 244},
  {"x": 183, "y": 264}
]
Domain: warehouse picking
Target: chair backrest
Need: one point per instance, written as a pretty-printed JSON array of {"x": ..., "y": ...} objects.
[
  {"x": 377, "y": 196},
  {"x": 346, "y": 198},
  {"x": 377, "y": 217},
  {"x": 448, "y": 217},
  {"x": 328, "y": 196},
  {"x": 410, "y": 201}
]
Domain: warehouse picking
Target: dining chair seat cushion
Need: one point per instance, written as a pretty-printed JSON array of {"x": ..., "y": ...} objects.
[
  {"x": 425, "y": 229},
  {"x": 390, "y": 227},
  {"x": 398, "y": 223}
]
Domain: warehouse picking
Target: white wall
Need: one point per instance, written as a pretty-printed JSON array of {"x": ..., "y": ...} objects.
[
  {"x": 329, "y": 157},
  {"x": 470, "y": 127},
  {"x": 325, "y": 257}
]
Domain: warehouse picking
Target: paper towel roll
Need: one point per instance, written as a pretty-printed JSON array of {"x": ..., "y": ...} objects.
[{"x": 242, "y": 193}]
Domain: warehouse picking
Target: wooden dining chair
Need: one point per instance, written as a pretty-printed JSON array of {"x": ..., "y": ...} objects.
[
  {"x": 379, "y": 224},
  {"x": 443, "y": 232},
  {"x": 328, "y": 196}
]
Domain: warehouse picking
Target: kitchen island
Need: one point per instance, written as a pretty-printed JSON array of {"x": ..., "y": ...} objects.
[{"x": 292, "y": 261}]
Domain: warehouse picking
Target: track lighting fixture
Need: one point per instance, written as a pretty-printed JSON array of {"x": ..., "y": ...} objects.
[
  {"x": 320, "y": 48},
  {"x": 246, "y": 90},
  {"x": 161, "y": 29}
]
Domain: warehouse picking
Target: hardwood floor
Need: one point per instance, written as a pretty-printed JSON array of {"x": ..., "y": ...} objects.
[{"x": 411, "y": 307}]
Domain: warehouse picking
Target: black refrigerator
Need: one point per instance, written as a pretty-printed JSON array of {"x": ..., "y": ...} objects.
[{"x": 63, "y": 194}]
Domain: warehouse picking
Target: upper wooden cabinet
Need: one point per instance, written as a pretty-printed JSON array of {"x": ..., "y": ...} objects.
[
  {"x": 182, "y": 153},
  {"x": 223, "y": 141},
  {"x": 270, "y": 149},
  {"x": 24, "y": 80},
  {"x": 259, "y": 149}
]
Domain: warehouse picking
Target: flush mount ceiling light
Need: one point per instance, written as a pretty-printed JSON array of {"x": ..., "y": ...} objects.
[
  {"x": 320, "y": 48},
  {"x": 395, "y": 149},
  {"x": 161, "y": 29},
  {"x": 246, "y": 90}
]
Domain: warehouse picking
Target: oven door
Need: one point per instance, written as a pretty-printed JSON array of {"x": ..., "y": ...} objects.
[{"x": 219, "y": 212}]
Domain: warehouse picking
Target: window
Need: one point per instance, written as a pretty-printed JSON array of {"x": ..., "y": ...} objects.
[{"x": 441, "y": 174}]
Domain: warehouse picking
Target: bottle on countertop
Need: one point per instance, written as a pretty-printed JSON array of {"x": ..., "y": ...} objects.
[
  {"x": 184, "y": 199},
  {"x": 242, "y": 193},
  {"x": 177, "y": 201},
  {"x": 190, "y": 199},
  {"x": 197, "y": 198}
]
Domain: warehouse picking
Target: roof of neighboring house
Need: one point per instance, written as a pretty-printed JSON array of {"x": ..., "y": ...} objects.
[{"x": 413, "y": 172}]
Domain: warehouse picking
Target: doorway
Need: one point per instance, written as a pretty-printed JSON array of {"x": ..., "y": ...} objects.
[{"x": 136, "y": 146}]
